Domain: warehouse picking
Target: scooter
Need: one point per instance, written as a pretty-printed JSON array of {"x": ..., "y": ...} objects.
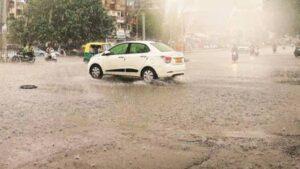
[
  {"x": 256, "y": 51},
  {"x": 23, "y": 57},
  {"x": 52, "y": 56},
  {"x": 252, "y": 50},
  {"x": 274, "y": 49},
  {"x": 235, "y": 56}
]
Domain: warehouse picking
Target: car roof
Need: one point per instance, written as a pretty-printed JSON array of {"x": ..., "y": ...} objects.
[{"x": 145, "y": 42}]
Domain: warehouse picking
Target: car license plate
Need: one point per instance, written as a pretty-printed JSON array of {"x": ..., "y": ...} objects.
[{"x": 178, "y": 60}]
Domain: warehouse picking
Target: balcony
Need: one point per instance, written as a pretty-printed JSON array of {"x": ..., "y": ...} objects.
[{"x": 120, "y": 20}]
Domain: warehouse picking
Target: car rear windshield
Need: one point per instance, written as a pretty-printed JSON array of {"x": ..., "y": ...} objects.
[{"x": 162, "y": 47}]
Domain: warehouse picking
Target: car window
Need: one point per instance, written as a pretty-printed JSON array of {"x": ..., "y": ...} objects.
[
  {"x": 138, "y": 48},
  {"x": 106, "y": 47},
  {"x": 162, "y": 47},
  {"x": 119, "y": 49}
]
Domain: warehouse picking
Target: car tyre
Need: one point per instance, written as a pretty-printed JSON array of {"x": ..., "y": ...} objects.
[
  {"x": 96, "y": 72},
  {"x": 148, "y": 75}
]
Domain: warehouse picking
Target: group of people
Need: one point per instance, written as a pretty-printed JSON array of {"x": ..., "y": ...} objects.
[
  {"x": 94, "y": 50},
  {"x": 254, "y": 51},
  {"x": 50, "y": 53},
  {"x": 28, "y": 51}
]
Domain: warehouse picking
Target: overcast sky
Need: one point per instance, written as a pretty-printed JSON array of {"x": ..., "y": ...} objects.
[{"x": 215, "y": 4}]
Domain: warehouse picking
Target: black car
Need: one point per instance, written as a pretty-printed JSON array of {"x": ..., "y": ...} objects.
[{"x": 297, "y": 51}]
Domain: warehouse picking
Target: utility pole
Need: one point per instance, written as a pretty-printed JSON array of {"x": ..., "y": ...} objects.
[
  {"x": 3, "y": 25},
  {"x": 141, "y": 6},
  {"x": 126, "y": 20},
  {"x": 144, "y": 25},
  {"x": 1, "y": 13},
  {"x": 137, "y": 27}
]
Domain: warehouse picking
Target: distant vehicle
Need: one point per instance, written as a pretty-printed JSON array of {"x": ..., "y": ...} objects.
[
  {"x": 52, "y": 55},
  {"x": 297, "y": 51},
  {"x": 39, "y": 52},
  {"x": 146, "y": 59},
  {"x": 256, "y": 51},
  {"x": 94, "y": 48},
  {"x": 274, "y": 48},
  {"x": 23, "y": 57},
  {"x": 234, "y": 54},
  {"x": 252, "y": 50},
  {"x": 244, "y": 49}
]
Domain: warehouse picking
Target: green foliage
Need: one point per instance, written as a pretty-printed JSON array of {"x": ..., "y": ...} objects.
[
  {"x": 67, "y": 22},
  {"x": 154, "y": 27}
]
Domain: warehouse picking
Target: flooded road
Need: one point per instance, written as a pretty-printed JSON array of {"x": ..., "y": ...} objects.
[{"x": 220, "y": 115}]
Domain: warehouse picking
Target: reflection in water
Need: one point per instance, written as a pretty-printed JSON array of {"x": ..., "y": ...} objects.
[
  {"x": 121, "y": 80},
  {"x": 234, "y": 68}
]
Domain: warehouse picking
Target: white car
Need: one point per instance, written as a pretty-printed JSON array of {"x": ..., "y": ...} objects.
[{"x": 146, "y": 59}]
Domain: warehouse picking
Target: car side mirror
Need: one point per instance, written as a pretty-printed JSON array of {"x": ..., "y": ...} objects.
[{"x": 106, "y": 53}]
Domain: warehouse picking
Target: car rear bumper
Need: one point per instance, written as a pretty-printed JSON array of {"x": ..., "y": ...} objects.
[{"x": 171, "y": 71}]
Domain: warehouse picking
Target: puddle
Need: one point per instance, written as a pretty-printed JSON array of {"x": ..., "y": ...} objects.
[
  {"x": 120, "y": 80},
  {"x": 293, "y": 151},
  {"x": 287, "y": 77}
]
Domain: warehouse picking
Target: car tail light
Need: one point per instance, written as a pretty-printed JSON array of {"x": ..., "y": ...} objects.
[{"x": 167, "y": 59}]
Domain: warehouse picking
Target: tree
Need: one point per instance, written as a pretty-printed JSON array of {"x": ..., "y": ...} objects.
[
  {"x": 154, "y": 18},
  {"x": 67, "y": 22},
  {"x": 154, "y": 28}
]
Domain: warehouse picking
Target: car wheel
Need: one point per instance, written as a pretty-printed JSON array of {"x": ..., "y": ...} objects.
[
  {"x": 96, "y": 72},
  {"x": 149, "y": 75}
]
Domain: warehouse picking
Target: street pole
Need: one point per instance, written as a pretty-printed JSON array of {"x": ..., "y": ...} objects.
[
  {"x": 125, "y": 30},
  {"x": 144, "y": 25},
  {"x": 137, "y": 27},
  {"x": 3, "y": 31}
]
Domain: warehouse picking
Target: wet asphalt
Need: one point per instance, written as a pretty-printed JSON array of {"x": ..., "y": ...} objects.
[{"x": 219, "y": 115}]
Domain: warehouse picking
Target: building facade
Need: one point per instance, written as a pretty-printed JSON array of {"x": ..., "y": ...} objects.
[
  {"x": 126, "y": 13},
  {"x": 119, "y": 10},
  {"x": 15, "y": 8}
]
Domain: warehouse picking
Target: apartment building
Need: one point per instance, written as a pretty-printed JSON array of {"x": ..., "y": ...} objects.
[
  {"x": 119, "y": 10},
  {"x": 15, "y": 7}
]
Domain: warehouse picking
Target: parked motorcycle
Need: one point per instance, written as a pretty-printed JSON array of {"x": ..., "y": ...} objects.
[{"x": 23, "y": 57}]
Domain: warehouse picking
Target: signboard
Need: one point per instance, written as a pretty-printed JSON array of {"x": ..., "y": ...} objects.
[{"x": 121, "y": 34}]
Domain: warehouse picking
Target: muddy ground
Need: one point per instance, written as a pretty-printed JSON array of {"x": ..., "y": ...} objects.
[{"x": 220, "y": 115}]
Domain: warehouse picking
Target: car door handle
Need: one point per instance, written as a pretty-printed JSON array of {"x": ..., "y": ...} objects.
[
  {"x": 121, "y": 57},
  {"x": 143, "y": 56}
]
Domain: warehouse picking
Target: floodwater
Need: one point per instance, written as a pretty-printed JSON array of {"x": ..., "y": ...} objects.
[{"x": 219, "y": 115}]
